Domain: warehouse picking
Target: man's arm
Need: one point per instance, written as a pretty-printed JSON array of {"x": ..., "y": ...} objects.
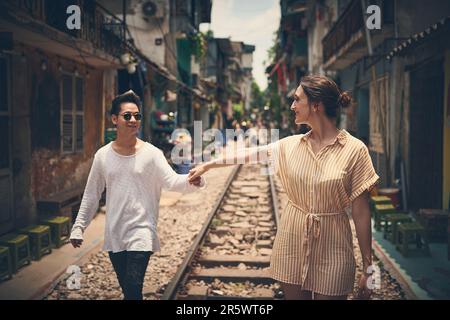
[
  {"x": 89, "y": 204},
  {"x": 171, "y": 180}
]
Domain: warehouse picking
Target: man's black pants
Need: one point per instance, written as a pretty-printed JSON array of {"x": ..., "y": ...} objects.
[{"x": 130, "y": 268}]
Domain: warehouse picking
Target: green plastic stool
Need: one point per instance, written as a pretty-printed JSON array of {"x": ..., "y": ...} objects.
[
  {"x": 391, "y": 223},
  {"x": 60, "y": 228},
  {"x": 382, "y": 210},
  {"x": 40, "y": 240},
  {"x": 19, "y": 247},
  {"x": 5, "y": 264},
  {"x": 374, "y": 200},
  {"x": 412, "y": 232}
]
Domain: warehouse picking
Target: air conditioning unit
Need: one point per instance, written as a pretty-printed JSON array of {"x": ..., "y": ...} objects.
[{"x": 154, "y": 9}]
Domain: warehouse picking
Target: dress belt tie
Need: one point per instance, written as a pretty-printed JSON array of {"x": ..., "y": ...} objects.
[{"x": 312, "y": 229}]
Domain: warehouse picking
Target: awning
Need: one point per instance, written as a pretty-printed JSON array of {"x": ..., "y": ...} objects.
[{"x": 417, "y": 39}]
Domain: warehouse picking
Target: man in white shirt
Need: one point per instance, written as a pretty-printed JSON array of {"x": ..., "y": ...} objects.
[{"x": 133, "y": 172}]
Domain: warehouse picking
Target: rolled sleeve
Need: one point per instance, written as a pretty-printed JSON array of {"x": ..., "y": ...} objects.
[{"x": 363, "y": 176}]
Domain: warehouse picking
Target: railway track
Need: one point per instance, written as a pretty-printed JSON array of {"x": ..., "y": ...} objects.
[{"x": 229, "y": 257}]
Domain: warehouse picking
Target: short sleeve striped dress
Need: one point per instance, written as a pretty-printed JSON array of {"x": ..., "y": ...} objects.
[{"x": 313, "y": 247}]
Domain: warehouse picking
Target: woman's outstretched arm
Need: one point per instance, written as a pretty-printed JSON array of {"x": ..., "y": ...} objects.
[{"x": 241, "y": 156}]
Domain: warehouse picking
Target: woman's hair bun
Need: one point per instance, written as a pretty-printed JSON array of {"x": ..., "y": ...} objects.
[{"x": 344, "y": 100}]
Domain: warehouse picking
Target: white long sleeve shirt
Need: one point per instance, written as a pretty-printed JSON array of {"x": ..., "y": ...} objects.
[{"x": 133, "y": 189}]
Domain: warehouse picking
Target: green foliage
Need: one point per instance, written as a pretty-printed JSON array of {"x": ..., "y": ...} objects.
[
  {"x": 257, "y": 96},
  {"x": 238, "y": 111},
  {"x": 275, "y": 105},
  {"x": 272, "y": 51},
  {"x": 209, "y": 34},
  {"x": 199, "y": 45}
]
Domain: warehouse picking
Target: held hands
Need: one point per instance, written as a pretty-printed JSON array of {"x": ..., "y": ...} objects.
[
  {"x": 196, "y": 173},
  {"x": 196, "y": 182}
]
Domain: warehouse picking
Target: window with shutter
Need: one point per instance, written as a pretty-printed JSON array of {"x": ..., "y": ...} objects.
[
  {"x": 79, "y": 133},
  {"x": 72, "y": 115},
  {"x": 67, "y": 133},
  {"x": 79, "y": 114}
]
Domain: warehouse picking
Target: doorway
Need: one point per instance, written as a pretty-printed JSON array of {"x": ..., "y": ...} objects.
[
  {"x": 426, "y": 135},
  {"x": 6, "y": 175}
]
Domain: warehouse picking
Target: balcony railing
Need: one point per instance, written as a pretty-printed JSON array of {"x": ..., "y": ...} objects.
[
  {"x": 350, "y": 22},
  {"x": 98, "y": 26}
]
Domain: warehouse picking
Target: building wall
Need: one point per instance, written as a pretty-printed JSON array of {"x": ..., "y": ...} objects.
[
  {"x": 145, "y": 33},
  {"x": 40, "y": 171},
  {"x": 248, "y": 92},
  {"x": 144, "y": 30},
  {"x": 212, "y": 60},
  {"x": 52, "y": 171},
  {"x": 110, "y": 90},
  {"x": 446, "y": 153},
  {"x": 201, "y": 113},
  {"x": 247, "y": 60},
  {"x": 21, "y": 143},
  {"x": 317, "y": 29}
]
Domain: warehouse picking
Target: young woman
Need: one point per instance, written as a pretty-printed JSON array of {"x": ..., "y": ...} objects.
[
  {"x": 133, "y": 172},
  {"x": 323, "y": 172}
]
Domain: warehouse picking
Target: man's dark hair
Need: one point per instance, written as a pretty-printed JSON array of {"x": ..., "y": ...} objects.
[{"x": 128, "y": 96}]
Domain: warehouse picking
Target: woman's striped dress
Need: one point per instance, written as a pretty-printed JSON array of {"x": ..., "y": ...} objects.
[{"x": 313, "y": 246}]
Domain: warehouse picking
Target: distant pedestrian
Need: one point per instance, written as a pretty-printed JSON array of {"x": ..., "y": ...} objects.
[{"x": 133, "y": 172}]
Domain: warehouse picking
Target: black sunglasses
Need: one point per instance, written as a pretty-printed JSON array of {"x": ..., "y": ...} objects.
[{"x": 127, "y": 116}]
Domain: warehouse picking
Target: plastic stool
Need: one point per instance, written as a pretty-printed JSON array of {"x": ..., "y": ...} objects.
[
  {"x": 380, "y": 211},
  {"x": 374, "y": 200},
  {"x": 19, "y": 247},
  {"x": 5, "y": 264},
  {"x": 60, "y": 227},
  {"x": 40, "y": 240},
  {"x": 411, "y": 232},
  {"x": 391, "y": 223}
]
